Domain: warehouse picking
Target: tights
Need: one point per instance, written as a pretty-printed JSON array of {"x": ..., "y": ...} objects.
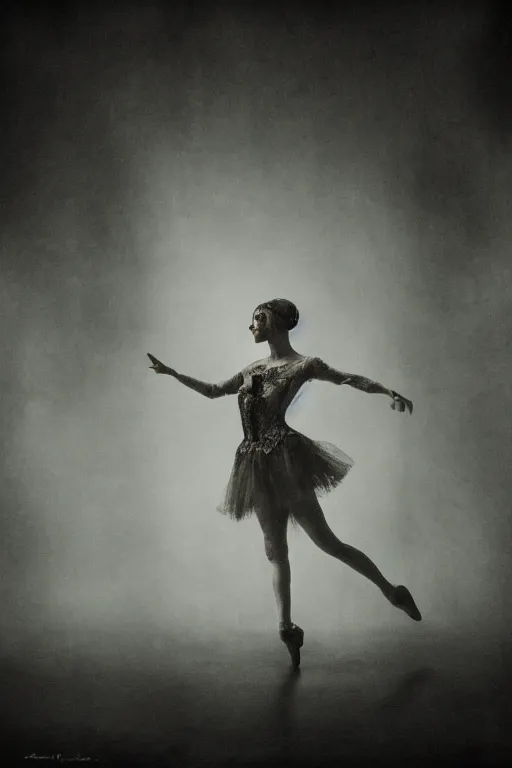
[{"x": 311, "y": 518}]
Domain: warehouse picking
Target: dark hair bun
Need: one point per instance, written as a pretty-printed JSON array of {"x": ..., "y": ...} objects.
[{"x": 285, "y": 310}]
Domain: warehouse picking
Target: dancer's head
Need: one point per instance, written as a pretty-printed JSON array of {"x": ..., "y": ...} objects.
[{"x": 273, "y": 318}]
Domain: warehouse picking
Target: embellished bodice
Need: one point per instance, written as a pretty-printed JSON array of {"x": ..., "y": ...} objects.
[{"x": 263, "y": 400}]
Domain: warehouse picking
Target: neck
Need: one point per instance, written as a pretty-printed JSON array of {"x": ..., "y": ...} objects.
[{"x": 280, "y": 347}]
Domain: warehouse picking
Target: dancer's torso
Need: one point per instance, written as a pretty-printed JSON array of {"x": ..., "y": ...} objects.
[{"x": 264, "y": 399}]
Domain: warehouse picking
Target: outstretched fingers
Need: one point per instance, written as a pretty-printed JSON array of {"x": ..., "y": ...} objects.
[{"x": 157, "y": 367}]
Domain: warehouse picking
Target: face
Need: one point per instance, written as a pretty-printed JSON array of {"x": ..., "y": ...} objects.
[{"x": 262, "y": 325}]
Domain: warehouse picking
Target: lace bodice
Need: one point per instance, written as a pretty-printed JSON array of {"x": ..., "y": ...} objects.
[{"x": 263, "y": 400}]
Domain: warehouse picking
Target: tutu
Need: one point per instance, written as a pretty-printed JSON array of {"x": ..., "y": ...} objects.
[
  {"x": 276, "y": 477},
  {"x": 275, "y": 466}
]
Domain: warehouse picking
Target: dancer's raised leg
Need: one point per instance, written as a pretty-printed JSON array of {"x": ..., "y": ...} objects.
[{"x": 311, "y": 518}]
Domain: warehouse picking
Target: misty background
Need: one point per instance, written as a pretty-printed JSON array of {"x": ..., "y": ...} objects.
[{"x": 163, "y": 172}]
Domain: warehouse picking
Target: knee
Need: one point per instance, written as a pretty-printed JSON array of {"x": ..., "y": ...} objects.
[
  {"x": 331, "y": 545},
  {"x": 276, "y": 551}
]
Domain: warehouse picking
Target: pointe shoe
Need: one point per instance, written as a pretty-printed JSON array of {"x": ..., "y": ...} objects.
[
  {"x": 403, "y": 599},
  {"x": 293, "y": 638}
]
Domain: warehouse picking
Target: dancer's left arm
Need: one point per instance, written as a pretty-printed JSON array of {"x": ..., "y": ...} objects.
[{"x": 323, "y": 372}]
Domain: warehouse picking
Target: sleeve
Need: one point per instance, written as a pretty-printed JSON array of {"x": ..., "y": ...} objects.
[
  {"x": 316, "y": 368},
  {"x": 229, "y": 386}
]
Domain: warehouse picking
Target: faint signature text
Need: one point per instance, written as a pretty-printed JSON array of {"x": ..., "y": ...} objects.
[{"x": 60, "y": 758}]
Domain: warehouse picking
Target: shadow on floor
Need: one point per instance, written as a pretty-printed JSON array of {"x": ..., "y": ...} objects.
[{"x": 136, "y": 700}]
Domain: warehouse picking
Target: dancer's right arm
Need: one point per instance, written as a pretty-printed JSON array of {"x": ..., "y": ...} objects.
[{"x": 229, "y": 387}]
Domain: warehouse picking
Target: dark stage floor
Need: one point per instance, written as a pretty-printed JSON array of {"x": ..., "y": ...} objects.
[{"x": 418, "y": 697}]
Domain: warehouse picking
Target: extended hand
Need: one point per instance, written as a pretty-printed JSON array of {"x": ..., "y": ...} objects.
[
  {"x": 400, "y": 403},
  {"x": 159, "y": 367}
]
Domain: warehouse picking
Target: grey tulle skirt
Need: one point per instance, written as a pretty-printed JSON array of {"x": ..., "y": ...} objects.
[{"x": 275, "y": 482}]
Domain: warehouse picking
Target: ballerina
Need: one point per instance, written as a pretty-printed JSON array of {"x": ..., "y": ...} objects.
[{"x": 278, "y": 473}]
